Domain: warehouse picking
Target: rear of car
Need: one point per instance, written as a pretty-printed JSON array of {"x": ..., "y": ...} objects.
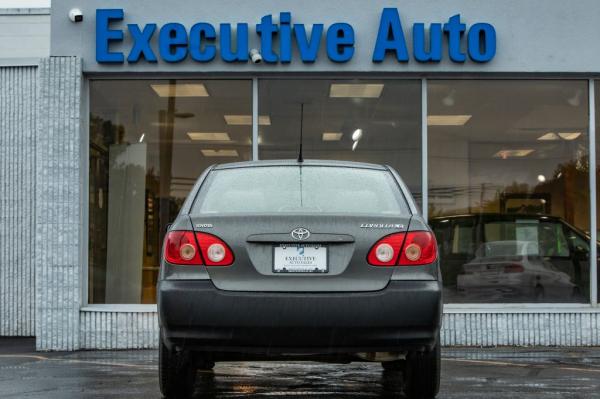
[{"x": 313, "y": 260}]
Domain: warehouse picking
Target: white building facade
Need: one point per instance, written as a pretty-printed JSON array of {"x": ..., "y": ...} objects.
[{"x": 487, "y": 110}]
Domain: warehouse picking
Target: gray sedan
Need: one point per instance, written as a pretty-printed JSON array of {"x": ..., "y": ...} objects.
[{"x": 315, "y": 260}]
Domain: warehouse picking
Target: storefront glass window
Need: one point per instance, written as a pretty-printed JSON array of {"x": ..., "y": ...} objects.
[
  {"x": 387, "y": 114},
  {"x": 149, "y": 142},
  {"x": 509, "y": 189}
]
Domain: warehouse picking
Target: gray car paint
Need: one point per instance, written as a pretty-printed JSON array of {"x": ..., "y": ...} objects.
[{"x": 252, "y": 268}]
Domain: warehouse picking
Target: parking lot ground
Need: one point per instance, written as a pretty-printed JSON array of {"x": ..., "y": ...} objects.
[{"x": 515, "y": 373}]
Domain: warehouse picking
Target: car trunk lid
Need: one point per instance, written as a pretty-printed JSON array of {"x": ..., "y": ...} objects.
[{"x": 347, "y": 239}]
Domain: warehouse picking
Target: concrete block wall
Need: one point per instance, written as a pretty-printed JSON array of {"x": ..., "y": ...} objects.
[
  {"x": 132, "y": 330},
  {"x": 522, "y": 328},
  {"x": 58, "y": 221},
  {"x": 18, "y": 104},
  {"x": 118, "y": 330}
]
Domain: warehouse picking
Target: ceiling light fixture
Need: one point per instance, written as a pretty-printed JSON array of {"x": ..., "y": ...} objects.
[
  {"x": 448, "y": 120},
  {"x": 220, "y": 153},
  {"x": 355, "y": 90},
  {"x": 504, "y": 154},
  {"x": 549, "y": 136},
  {"x": 356, "y": 136},
  {"x": 180, "y": 90},
  {"x": 209, "y": 136},
  {"x": 332, "y": 136},
  {"x": 569, "y": 135},
  {"x": 246, "y": 120},
  {"x": 142, "y": 137}
]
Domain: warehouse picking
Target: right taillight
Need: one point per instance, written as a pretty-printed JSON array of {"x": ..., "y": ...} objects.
[
  {"x": 181, "y": 248},
  {"x": 404, "y": 249},
  {"x": 514, "y": 268},
  {"x": 419, "y": 249}
]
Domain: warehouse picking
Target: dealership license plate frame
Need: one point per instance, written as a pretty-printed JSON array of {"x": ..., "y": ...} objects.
[{"x": 320, "y": 269}]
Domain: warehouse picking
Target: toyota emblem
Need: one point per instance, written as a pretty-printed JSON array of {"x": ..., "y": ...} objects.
[{"x": 300, "y": 233}]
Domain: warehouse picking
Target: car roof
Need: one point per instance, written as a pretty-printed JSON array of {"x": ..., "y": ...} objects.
[{"x": 294, "y": 162}]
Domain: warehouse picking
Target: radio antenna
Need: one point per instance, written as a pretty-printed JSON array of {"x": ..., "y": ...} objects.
[{"x": 300, "y": 158}]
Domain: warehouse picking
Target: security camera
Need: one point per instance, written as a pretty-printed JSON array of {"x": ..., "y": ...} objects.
[
  {"x": 255, "y": 56},
  {"x": 75, "y": 15}
]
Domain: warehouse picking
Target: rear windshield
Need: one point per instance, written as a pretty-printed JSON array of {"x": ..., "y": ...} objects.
[{"x": 306, "y": 189}]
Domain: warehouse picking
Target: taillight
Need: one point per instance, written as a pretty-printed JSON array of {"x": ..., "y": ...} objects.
[
  {"x": 180, "y": 248},
  {"x": 404, "y": 249},
  {"x": 385, "y": 252},
  {"x": 514, "y": 268},
  {"x": 215, "y": 251},
  {"x": 419, "y": 249}
]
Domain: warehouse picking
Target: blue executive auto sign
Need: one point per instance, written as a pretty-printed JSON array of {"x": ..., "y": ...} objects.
[{"x": 203, "y": 42}]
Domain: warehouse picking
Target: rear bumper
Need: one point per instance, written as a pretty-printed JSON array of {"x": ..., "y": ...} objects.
[{"x": 406, "y": 315}]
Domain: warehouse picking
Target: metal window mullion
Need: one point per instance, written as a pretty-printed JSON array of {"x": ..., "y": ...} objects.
[
  {"x": 593, "y": 210},
  {"x": 424, "y": 152},
  {"x": 255, "y": 119}
]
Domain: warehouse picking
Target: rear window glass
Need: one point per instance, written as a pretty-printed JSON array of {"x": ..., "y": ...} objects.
[{"x": 307, "y": 189}]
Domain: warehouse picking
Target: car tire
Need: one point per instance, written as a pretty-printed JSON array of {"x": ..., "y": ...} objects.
[
  {"x": 176, "y": 372},
  {"x": 423, "y": 373}
]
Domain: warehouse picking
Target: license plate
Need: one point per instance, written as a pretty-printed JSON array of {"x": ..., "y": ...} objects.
[{"x": 300, "y": 258}]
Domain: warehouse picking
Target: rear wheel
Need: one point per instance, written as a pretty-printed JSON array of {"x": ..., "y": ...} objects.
[
  {"x": 423, "y": 373},
  {"x": 176, "y": 372}
]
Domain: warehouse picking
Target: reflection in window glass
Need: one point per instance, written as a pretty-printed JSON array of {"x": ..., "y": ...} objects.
[
  {"x": 149, "y": 142},
  {"x": 509, "y": 189},
  {"x": 387, "y": 113}
]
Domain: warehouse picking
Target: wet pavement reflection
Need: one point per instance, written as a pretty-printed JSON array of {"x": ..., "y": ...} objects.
[{"x": 466, "y": 373}]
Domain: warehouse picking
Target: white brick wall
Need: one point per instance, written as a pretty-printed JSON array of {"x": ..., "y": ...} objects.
[
  {"x": 58, "y": 193},
  {"x": 566, "y": 328},
  {"x": 18, "y": 87},
  {"x": 130, "y": 330}
]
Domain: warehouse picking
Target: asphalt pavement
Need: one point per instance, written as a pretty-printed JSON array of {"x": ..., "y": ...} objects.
[{"x": 515, "y": 373}]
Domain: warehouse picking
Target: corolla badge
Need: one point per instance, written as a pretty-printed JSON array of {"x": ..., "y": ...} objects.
[
  {"x": 300, "y": 233},
  {"x": 382, "y": 226}
]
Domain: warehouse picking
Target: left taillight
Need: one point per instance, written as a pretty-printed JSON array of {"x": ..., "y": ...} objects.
[{"x": 181, "y": 248}]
